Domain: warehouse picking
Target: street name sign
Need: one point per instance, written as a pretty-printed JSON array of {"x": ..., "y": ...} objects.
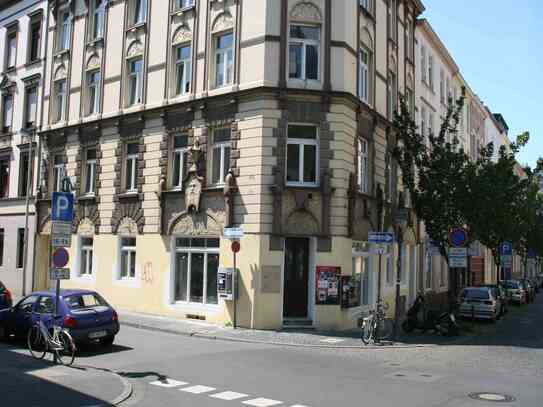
[
  {"x": 458, "y": 257},
  {"x": 381, "y": 237},
  {"x": 59, "y": 274},
  {"x": 381, "y": 249},
  {"x": 233, "y": 233}
]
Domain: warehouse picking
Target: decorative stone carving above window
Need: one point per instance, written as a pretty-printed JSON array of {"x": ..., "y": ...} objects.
[
  {"x": 127, "y": 228},
  {"x": 60, "y": 73},
  {"x": 365, "y": 37},
  {"x": 224, "y": 21},
  {"x": 306, "y": 11},
  {"x": 93, "y": 62},
  {"x": 135, "y": 49},
  {"x": 86, "y": 228},
  {"x": 183, "y": 34}
]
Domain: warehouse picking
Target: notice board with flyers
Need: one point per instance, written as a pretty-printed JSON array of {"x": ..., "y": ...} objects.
[{"x": 328, "y": 278}]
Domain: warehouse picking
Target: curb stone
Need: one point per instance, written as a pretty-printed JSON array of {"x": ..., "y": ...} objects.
[{"x": 127, "y": 387}]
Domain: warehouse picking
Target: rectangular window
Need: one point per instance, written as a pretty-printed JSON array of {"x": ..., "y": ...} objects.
[
  {"x": 23, "y": 173},
  {"x": 182, "y": 69},
  {"x": 393, "y": 20},
  {"x": 86, "y": 254},
  {"x": 224, "y": 60},
  {"x": 220, "y": 160},
  {"x": 304, "y": 52},
  {"x": 131, "y": 167},
  {"x": 31, "y": 104},
  {"x": 410, "y": 40},
  {"x": 128, "y": 258},
  {"x": 442, "y": 86},
  {"x": 1, "y": 247},
  {"x": 364, "y": 76},
  {"x": 196, "y": 266},
  {"x": 20, "y": 247},
  {"x": 139, "y": 11},
  {"x": 90, "y": 171},
  {"x": 135, "y": 81},
  {"x": 448, "y": 89},
  {"x": 409, "y": 98},
  {"x": 431, "y": 123},
  {"x": 63, "y": 30},
  {"x": 93, "y": 92},
  {"x": 423, "y": 63},
  {"x": 7, "y": 113},
  {"x": 431, "y": 71},
  {"x": 96, "y": 14},
  {"x": 4, "y": 177},
  {"x": 423, "y": 121},
  {"x": 35, "y": 40},
  {"x": 181, "y": 4},
  {"x": 363, "y": 166},
  {"x": 60, "y": 100},
  {"x": 302, "y": 155},
  {"x": 58, "y": 172},
  {"x": 11, "y": 49},
  {"x": 179, "y": 160},
  {"x": 392, "y": 95}
]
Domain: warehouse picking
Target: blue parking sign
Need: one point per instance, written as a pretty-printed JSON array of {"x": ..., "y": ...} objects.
[
  {"x": 62, "y": 207},
  {"x": 506, "y": 249}
]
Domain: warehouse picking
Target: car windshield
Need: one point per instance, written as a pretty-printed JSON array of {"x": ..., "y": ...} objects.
[
  {"x": 511, "y": 284},
  {"x": 2, "y": 287},
  {"x": 476, "y": 294},
  {"x": 83, "y": 301}
]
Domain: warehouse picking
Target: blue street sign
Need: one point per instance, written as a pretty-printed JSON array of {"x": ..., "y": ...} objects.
[
  {"x": 506, "y": 249},
  {"x": 532, "y": 254},
  {"x": 381, "y": 237},
  {"x": 458, "y": 237},
  {"x": 62, "y": 207}
]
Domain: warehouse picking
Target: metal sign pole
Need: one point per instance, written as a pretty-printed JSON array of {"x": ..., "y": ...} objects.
[
  {"x": 378, "y": 330},
  {"x": 398, "y": 282},
  {"x": 235, "y": 289}
]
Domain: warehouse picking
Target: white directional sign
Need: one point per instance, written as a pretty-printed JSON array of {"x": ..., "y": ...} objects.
[
  {"x": 59, "y": 274},
  {"x": 61, "y": 234},
  {"x": 381, "y": 237},
  {"x": 233, "y": 233},
  {"x": 458, "y": 257},
  {"x": 379, "y": 249}
]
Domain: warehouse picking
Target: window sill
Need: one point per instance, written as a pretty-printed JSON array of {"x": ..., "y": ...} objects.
[
  {"x": 181, "y": 11},
  {"x": 87, "y": 198},
  {"x": 128, "y": 195},
  {"x": 137, "y": 26},
  {"x": 60, "y": 53},
  {"x": 94, "y": 42},
  {"x": 30, "y": 64},
  {"x": 10, "y": 69},
  {"x": 302, "y": 186}
]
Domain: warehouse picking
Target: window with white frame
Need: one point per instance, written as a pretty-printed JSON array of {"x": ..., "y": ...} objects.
[
  {"x": 7, "y": 112},
  {"x": 195, "y": 270},
  {"x": 224, "y": 59},
  {"x": 362, "y": 272},
  {"x": 128, "y": 258},
  {"x": 86, "y": 256},
  {"x": 179, "y": 160},
  {"x": 410, "y": 40},
  {"x": 96, "y": 14},
  {"x": 60, "y": 100},
  {"x": 304, "y": 52},
  {"x": 58, "y": 172},
  {"x": 31, "y": 106},
  {"x": 431, "y": 71},
  {"x": 220, "y": 155},
  {"x": 302, "y": 155},
  {"x": 93, "y": 92},
  {"x": 181, "y": 4},
  {"x": 63, "y": 30},
  {"x": 138, "y": 11},
  {"x": 363, "y": 166},
  {"x": 34, "y": 38},
  {"x": 131, "y": 167},
  {"x": 135, "y": 81},
  {"x": 364, "y": 75},
  {"x": 183, "y": 72},
  {"x": 11, "y": 48},
  {"x": 423, "y": 63},
  {"x": 392, "y": 94},
  {"x": 90, "y": 171}
]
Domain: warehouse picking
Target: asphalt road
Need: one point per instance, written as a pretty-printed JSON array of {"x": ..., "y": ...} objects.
[{"x": 169, "y": 370}]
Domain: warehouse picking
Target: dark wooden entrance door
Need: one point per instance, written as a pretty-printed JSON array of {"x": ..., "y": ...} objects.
[{"x": 296, "y": 278}]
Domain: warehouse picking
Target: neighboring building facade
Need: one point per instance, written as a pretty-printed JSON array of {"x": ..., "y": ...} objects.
[
  {"x": 175, "y": 122},
  {"x": 22, "y": 45}
]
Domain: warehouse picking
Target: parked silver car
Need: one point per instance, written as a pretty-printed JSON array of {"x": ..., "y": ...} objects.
[
  {"x": 515, "y": 291},
  {"x": 480, "y": 302}
]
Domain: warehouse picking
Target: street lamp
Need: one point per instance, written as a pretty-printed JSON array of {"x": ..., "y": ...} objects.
[{"x": 400, "y": 219}]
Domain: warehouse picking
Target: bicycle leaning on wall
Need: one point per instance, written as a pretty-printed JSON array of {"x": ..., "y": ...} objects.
[
  {"x": 374, "y": 328},
  {"x": 59, "y": 342}
]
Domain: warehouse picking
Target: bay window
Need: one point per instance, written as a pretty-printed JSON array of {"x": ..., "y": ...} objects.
[
  {"x": 131, "y": 160},
  {"x": 220, "y": 159},
  {"x": 302, "y": 155},
  {"x": 195, "y": 270},
  {"x": 304, "y": 52},
  {"x": 224, "y": 60},
  {"x": 182, "y": 69},
  {"x": 179, "y": 160},
  {"x": 128, "y": 258}
]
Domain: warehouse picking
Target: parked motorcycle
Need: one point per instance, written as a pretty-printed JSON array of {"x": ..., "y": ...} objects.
[{"x": 419, "y": 318}]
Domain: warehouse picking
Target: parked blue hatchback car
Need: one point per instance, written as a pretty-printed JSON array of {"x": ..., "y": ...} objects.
[
  {"x": 85, "y": 313},
  {"x": 5, "y": 297}
]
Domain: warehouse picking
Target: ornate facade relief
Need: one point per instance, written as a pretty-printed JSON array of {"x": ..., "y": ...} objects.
[
  {"x": 86, "y": 228},
  {"x": 224, "y": 21},
  {"x": 183, "y": 34},
  {"x": 60, "y": 73},
  {"x": 93, "y": 62},
  {"x": 127, "y": 228},
  {"x": 306, "y": 11},
  {"x": 195, "y": 224},
  {"x": 135, "y": 49},
  {"x": 302, "y": 222}
]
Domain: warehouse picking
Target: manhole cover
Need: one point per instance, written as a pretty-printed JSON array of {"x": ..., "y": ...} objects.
[{"x": 496, "y": 397}]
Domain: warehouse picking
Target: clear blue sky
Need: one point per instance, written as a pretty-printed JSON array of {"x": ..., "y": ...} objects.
[{"x": 498, "y": 45}]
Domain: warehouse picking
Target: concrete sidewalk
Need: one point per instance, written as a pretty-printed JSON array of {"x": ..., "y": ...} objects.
[{"x": 290, "y": 337}]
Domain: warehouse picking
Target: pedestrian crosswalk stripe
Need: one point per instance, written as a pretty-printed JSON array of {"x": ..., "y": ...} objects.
[
  {"x": 198, "y": 389},
  {"x": 229, "y": 395},
  {"x": 168, "y": 383},
  {"x": 262, "y": 402}
]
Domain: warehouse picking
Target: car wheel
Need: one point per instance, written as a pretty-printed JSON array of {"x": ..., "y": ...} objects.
[{"x": 108, "y": 341}]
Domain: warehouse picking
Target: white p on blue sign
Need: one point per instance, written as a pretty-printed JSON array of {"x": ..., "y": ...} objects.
[{"x": 62, "y": 207}]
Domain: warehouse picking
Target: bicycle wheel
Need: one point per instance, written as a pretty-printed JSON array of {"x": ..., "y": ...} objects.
[
  {"x": 36, "y": 343},
  {"x": 66, "y": 355},
  {"x": 368, "y": 332}
]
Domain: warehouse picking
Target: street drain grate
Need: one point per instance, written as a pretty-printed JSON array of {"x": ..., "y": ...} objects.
[{"x": 495, "y": 397}]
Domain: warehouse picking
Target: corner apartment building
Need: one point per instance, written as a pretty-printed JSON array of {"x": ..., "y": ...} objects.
[
  {"x": 22, "y": 59},
  {"x": 175, "y": 119}
]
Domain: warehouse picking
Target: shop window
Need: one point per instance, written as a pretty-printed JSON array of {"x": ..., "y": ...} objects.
[
  {"x": 220, "y": 159},
  {"x": 302, "y": 155},
  {"x": 224, "y": 59},
  {"x": 86, "y": 256},
  {"x": 304, "y": 52},
  {"x": 196, "y": 266},
  {"x": 128, "y": 258},
  {"x": 179, "y": 160}
]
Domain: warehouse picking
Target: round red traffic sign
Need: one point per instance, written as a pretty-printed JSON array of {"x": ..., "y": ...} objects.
[
  {"x": 458, "y": 237},
  {"x": 235, "y": 246},
  {"x": 60, "y": 257}
]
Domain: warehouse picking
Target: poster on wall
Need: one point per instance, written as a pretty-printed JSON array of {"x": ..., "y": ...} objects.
[
  {"x": 327, "y": 285},
  {"x": 350, "y": 291}
]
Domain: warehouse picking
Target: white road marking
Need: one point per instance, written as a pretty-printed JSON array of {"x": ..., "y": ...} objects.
[
  {"x": 169, "y": 383},
  {"x": 229, "y": 395},
  {"x": 262, "y": 402},
  {"x": 332, "y": 340},
  {"x": 198, "y": 389},
  {"x": 298, "y": 405}
]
